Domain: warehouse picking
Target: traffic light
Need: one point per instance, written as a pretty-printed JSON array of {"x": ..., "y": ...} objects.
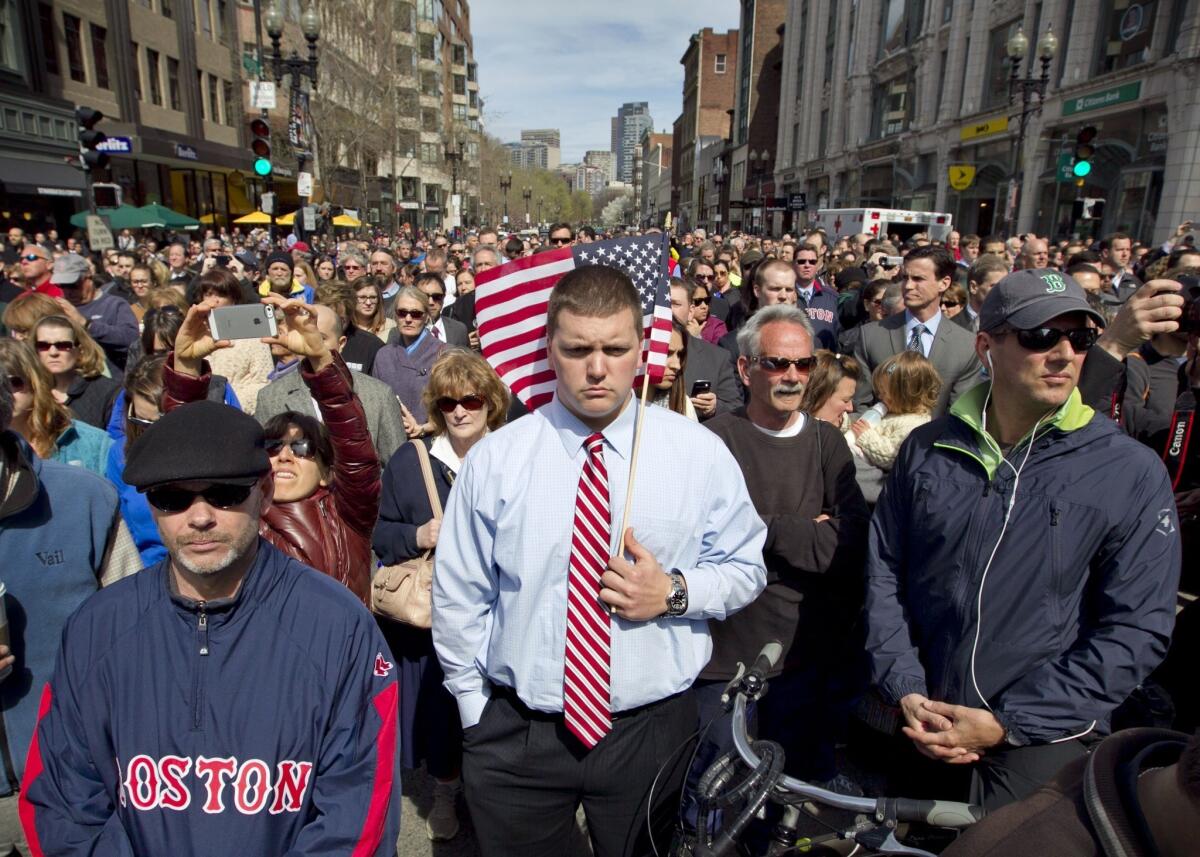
[
  {"x": 1084, "y": 152},
  {"x": 106, "y": 195},
  {"x": 90, "y": 138},
  {"x": 260, "y": 145}
]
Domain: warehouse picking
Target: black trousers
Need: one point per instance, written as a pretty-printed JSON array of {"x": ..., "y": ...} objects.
[{"x": 524, "y": 775}]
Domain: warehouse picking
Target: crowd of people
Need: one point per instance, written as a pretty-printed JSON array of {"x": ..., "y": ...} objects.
[{"x": 952, "y": 475}]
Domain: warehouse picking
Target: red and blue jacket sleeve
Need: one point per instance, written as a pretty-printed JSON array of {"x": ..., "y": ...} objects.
[
  {"x": 65, "y": 807},
  {"x": 356, "y": 786}
]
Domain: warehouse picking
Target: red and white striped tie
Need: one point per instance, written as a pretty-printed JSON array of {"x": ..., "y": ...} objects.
[{"x": 586, "y": 706}]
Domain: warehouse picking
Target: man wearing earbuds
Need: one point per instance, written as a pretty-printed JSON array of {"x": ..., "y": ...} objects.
[{"x": 1023, "y": 561}]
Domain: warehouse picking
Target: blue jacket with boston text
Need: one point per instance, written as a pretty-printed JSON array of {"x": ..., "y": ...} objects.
[{"x": 262, "y": 724}]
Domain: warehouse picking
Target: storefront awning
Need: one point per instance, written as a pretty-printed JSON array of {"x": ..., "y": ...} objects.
[{"x": 41, "y": 178}]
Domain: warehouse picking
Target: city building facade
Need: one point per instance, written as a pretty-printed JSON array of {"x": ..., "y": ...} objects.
[
  {"x": 709, "y": 73},
  {"x": 632, "y": 119},
  {"x": 906, "y": 103},
  {"x": 605, "y": 161},
  {"x": 530, "y": 156},
  {"x": 652, "y": 185},
  {"x": 551, "y": 139}
]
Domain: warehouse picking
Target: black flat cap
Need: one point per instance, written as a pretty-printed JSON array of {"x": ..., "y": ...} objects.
[{"x": 201, "y": 441}]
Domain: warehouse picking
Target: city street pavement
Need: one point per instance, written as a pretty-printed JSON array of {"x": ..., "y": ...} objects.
[{"x": 413, "y": 841}]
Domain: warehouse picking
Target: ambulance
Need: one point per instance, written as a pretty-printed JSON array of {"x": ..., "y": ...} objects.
[{"x": 882, "y": 222}]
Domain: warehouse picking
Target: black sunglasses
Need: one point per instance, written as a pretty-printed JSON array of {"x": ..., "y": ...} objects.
[
  {"x": 1045, "y": 338},
  {"x": 301, "y": 447},
  {"x": 701, "y": 301},
  {"x": 806, "y": 261},
  {"x": 436, "y": 296},
  {"x": 33, "y": 257},
  {"x": 781, "y": 364},
  {"x": 702, "y": 278},
  {"x": 560, "y": 240},
  {"x": 172, "y": 499},
  {"x": 64, "y": 345},
  {"x": 411, "y": 313},
  {"x": 471, "y": 402},
  {"x": 136, "y": 420}
]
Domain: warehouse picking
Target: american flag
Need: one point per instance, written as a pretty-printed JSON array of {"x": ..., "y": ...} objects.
[{"x": 510, "y": 306}]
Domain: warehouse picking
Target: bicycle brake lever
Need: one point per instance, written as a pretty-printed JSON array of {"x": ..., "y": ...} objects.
[
  {"x": 884, "y": 841},
  {"x": 734, "y": 685}
]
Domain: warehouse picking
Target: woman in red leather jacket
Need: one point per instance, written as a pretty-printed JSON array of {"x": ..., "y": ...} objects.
[{"x": 327, "y": 474}]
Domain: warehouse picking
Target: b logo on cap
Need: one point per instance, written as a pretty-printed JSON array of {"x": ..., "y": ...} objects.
[{"x": 1055, "y": 283}]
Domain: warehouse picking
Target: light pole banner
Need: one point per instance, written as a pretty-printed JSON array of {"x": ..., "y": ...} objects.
[{"x": 300, "y": 129}]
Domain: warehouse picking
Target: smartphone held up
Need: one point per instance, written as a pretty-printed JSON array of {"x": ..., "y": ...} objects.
[{"x": 245, "y": 321}]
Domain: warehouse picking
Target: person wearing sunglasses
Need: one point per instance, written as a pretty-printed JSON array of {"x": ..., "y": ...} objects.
[
  {"x": 404, "y": 363},
  {"x": 466, "y": 400},
  {"x": 816, "y": 525},
  {"x": 77, "y": 364},
  {"x": 215, "y": 652},
  {"x": 62, "y": 538},
  {"x": 36, "y": 266},
  {"x": 107, "y": 318},
  {"x": 326, "y": 472},
  {"x": 443, "y": 328},
  {"x": 816, "y": 297},
  {"x": 42, "y": 420},
  {"x": 1024, "y": 558},
  {"x": 702, "y": 322}
]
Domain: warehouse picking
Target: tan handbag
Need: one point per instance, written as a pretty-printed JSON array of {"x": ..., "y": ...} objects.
[{"x": 404, "y": 592}]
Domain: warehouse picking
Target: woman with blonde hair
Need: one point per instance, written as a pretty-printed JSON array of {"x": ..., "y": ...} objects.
[
  {"x": 23, "y": 312},
  {"x": 829, "y": 391},
  {"x": 77, "y": 363},
  {"x": 908, "y": 385},
  {"x": 43, "y": 421},
  {"x": 465, "y": 400},
  {"x": 404, "y": 364}
]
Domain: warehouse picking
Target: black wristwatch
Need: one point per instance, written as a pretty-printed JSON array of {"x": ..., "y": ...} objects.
[{"x": 677, "y": 599}]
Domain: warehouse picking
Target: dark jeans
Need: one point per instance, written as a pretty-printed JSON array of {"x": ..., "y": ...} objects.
[
  {"x": 524, "y": 775},
  {"x": 796, "y": 712}
]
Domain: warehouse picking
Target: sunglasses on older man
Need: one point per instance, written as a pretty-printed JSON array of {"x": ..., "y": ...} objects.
[{"x": 172, "y": 499}]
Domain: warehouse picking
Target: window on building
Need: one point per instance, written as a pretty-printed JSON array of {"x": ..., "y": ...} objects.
[
  {"x": 204, "y": 17},
  {"x": 173, "y": 83},
  {"x": 425, "y": 46},
  {"x": 795, "y": 144},
  {"x": 892, "y": 102},
  {"x": 73, "y": 36},
  {"x": 167, "y": 7},
  {"x": 460, "y": 84},
  {"x": 745, "y": 58},
  {"x": 471, "y": 71},
  {"x": 431, "y": 153},
  {"x": 830, "y": 41},
  {"x": 100, "y": 56},
  {"x": 823, "y": 137},
  {"x": 404, "y": 17},
  {"x": 459, "y": 54},
  {"x": 899, "y": 24},
  {"x": 214, "y": 100},
  {"x": 200, "y": 89},
  {"x": 227, "y": 102},
  {"x": 1124, "y": 35},
  {"x": 153, "y": 77},
  {"x": 431, "y": 83},
  {"x": 995, "y": 92},
  {"x": 49, "y": 43},
  {"x": 406, "y": 144},
  {"x": 460, "y": 112},
  {"x": 719, "y": 64},
  {"x": 10, "y": 28},
  {"x": 426, "y": 9},
  {"x": 943, "y": 61},
  {"x": 136, "y": 68},
  {"x": 473, "y": 99},
  {"x": 431, "y": 119},
  {"x": 250, "y": 58},
  {"x": 219, "y": 19}
]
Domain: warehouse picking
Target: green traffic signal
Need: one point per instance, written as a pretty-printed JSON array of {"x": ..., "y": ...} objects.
[
  {"x": 262, "y": 167},
  {"x": 1082, "y": 168}
]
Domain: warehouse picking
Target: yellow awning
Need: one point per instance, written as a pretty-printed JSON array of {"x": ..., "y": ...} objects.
[
  {"x": 346, "y": 220},
  {"x": 254, "y": 217},
  {"x": 287, "y": 219}
]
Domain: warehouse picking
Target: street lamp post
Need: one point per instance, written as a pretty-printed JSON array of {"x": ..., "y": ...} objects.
[
  {"x": 539, "y": 212},
  {"x": 296, "y": 68},
  {"x": 454, "y": 155},
  {"x": 505, "y": 184},
  {"x": 527, "y": 194},
  {"x": 1025, "y": 89}
]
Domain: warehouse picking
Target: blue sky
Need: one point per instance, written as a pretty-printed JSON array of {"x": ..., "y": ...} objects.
[{"x": 570, "y": 66}]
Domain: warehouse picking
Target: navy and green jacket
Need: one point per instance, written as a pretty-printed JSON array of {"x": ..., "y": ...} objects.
[{"x": 1079, "y": 602}]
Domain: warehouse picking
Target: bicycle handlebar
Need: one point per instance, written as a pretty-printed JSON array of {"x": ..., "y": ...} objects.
[{"x": 938, "y": 813}]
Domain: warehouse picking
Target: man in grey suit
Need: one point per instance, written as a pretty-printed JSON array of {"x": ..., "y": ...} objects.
[
  {"x": 984, "y": 273},
  {"x": 288, "y": 393},
  {"x": 928, "y": 272},
  {"x": 706, "y": 362}
]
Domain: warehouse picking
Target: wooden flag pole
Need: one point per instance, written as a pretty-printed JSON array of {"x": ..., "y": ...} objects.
[{"x": 633, "y": 456}]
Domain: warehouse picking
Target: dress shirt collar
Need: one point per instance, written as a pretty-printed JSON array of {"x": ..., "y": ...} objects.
[
  {"x": 618, "y": 436},
  {"x": 931, "y": 326}
]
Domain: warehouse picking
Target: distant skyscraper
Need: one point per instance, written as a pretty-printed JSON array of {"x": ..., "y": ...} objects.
[
  {"x": 631, "y": 120},
  {"x": 605, "y": 161},
  {"x": 551, "y": 139}
]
